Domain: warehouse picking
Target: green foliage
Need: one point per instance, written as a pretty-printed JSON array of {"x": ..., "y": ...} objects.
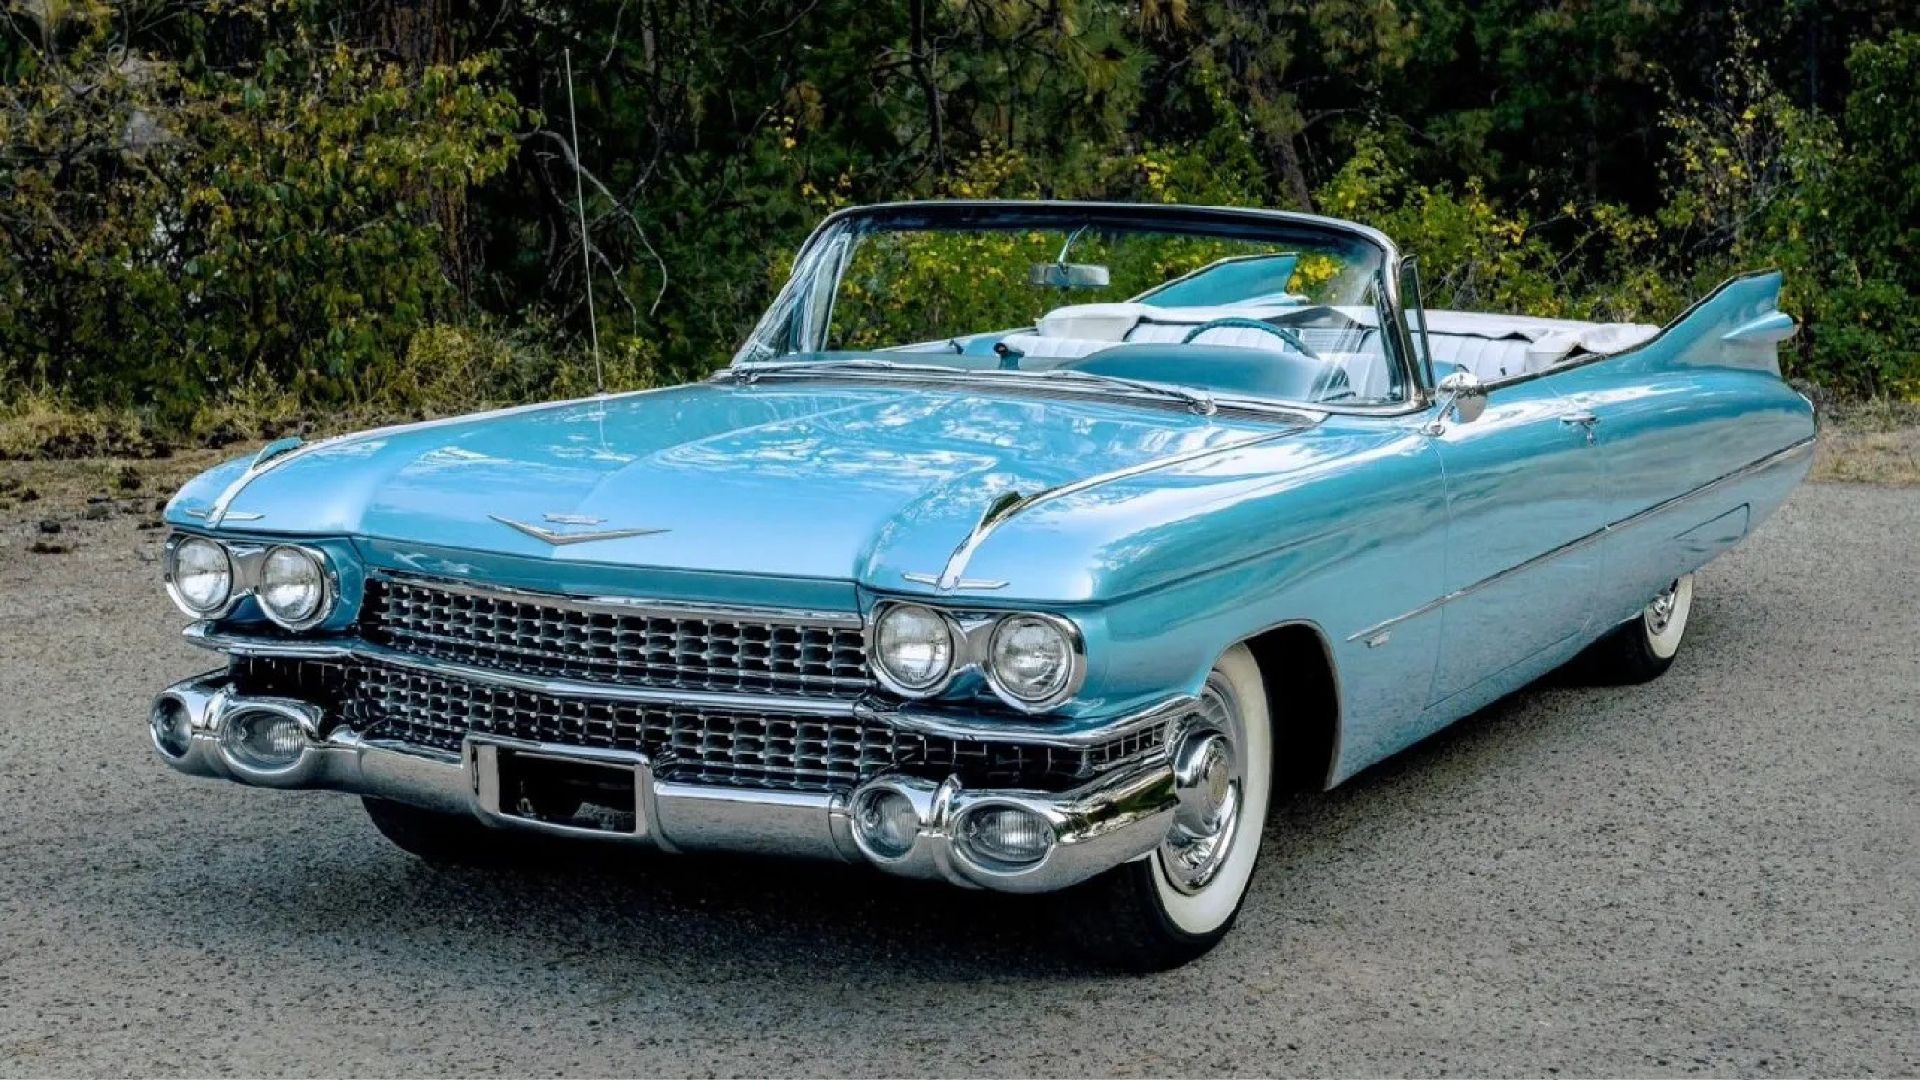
[
  {"x": 173, "y": 231},
  {"x": 215, "y": 206}
]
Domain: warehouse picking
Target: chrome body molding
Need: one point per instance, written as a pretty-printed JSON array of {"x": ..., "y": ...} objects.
[
  {"x": 931, "y": 722},
  {"x": 1113, "y": 819},
  {"x": 1012, "y": 503},
  {"x": 1378, "y": 633}
]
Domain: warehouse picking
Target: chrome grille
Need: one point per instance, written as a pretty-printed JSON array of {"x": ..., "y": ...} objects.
[
  {"x": 612, "y": 641},
  {"x": 735, "y": 747}
]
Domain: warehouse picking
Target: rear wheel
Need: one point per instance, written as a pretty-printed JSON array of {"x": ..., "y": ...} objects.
[
  {"x": 1643, "y": 647},
  {"x": 1172, "y": 906},
  {"x": 442, "y": 839}
]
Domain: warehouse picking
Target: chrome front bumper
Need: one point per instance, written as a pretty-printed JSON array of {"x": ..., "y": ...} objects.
[{"x": 1121, "y": 816}]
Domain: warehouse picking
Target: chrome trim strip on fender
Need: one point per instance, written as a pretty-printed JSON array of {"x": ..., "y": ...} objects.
[
  {"x": 1009, "y": 504},
  {"x": 1804, "y": 446}
]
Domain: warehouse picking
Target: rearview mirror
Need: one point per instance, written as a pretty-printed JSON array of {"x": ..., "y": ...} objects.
[
  {"x": 1059, "y": 275},
  {"x": 1461, "y": 396}
]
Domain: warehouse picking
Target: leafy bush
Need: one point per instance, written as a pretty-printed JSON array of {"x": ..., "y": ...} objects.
[
  {"x": 175, "y": 231},
  {"x": 236, "y": 217}
]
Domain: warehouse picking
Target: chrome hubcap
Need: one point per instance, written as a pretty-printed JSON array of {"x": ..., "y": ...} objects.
[
  {"x": 1660, "y": 611},
  {"x": 1207, "y": 778}
]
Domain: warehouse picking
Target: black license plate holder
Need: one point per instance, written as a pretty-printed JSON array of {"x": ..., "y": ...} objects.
[{"x": 573, "y": 790}]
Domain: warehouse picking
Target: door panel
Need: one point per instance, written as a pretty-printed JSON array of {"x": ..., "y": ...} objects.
[
  {"x": 1525, "y": 491},
  {"x": 1665, "y": 432}
]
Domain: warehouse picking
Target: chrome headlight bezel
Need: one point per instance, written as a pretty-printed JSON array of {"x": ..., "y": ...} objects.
[
  {"x": 1072, "y": 678},
  {"x": 170, "y": 561},
  {"x": 876, "y": 662},
  {"x": 325, "y": 585},
  {"x": 246, "y": 562},
  {"x": 970, "y": 668}
]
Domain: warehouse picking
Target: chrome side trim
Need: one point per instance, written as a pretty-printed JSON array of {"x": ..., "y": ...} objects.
[
  {"x": 1010, "y": 504},
  {"x": 1798, "y": 449},
  {"x": 636, "y": 606}
]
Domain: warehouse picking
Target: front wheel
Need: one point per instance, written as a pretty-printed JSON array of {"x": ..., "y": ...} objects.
[
  {"x": 1176, "y": 903},
  {"x": 1642, "y": 648}
]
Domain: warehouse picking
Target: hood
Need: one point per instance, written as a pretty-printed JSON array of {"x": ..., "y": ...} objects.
[{"x": 801, "y": 480}]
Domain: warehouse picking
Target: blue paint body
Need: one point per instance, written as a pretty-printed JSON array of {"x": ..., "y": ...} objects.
[{"x": 1489, "y": 551}]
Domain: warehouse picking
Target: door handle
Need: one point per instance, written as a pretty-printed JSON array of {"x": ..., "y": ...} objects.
[{"x": 1584, "y": 420}]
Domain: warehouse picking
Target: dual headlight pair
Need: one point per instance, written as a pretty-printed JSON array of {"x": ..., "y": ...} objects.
[
  {"x": 1031, "y": 661},
  {"x": 293, "y": 585}
]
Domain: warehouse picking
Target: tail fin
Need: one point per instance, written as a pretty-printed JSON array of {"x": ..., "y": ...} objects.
[{"x": 1739, "y": 324}]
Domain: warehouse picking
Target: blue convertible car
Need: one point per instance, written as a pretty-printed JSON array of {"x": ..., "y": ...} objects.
[{"x": 1022, "y": 546}]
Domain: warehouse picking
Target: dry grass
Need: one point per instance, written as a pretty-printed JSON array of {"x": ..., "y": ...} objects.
[{"x": 1874, "y": 442}]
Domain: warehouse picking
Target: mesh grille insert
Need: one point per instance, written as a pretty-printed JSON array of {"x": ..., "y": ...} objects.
[{"x": 556, "y": 637}]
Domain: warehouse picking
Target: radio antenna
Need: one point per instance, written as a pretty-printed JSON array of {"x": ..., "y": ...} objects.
[{"x": 586, "y": 254}]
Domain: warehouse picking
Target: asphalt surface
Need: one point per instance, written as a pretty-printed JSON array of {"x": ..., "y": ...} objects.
[{"x": 1716, "y": 873}]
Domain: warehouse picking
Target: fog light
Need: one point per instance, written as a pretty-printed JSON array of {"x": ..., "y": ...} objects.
[
  {"x": 887, "y": 823},
  {"x": 1006, "y": 836},
  {"x": 172, "y": 726},
  {"x": 262, "y": 738}
]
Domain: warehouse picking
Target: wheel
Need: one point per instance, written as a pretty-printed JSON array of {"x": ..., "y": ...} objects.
[
  {"x": 441, "y": 839},
  {"x": 1170, "y": 907},
  {"x": 1643, "y": 647}
]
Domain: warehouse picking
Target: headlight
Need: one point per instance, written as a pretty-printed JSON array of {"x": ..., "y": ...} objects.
[
  {"x": 293, "y": 587},
  {"x": 1034, "y": 661},
  {"x": 913, "y": 649},
  {"x": 199, "y": 576}
]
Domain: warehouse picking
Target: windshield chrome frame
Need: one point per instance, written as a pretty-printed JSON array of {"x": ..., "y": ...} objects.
[{"x": 959, "y": 215}]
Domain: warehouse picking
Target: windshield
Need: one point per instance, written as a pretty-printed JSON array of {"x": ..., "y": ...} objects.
[{"x": 1251, "y": 309}]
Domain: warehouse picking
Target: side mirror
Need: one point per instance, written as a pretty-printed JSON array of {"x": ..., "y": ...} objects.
[
  {"x": 1065, "y": 275},
  {"x": 1462, "y": 397}
]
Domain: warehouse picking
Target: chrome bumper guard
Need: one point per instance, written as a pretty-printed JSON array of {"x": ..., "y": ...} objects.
[{"x": 1121, "y": 816}]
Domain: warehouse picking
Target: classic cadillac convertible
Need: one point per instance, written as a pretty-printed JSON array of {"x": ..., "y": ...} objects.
[{"x": 1023, "y": 546}]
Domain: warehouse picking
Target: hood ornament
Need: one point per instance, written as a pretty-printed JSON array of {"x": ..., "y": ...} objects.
[{"x": 562, "y": 539}]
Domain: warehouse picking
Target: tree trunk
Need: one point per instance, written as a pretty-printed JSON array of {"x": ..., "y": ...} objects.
[
  {"x": 419, "y": 33},
  {"x": 1294, "y": 173}
]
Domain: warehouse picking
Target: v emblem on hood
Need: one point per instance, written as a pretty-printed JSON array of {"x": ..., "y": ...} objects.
[{"x": 561, "y": 539}]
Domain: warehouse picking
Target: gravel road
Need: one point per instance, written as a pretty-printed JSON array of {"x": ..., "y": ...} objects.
[{"x": 1718, "y": 873}]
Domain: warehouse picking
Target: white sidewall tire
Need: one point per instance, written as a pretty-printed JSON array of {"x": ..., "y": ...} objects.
[
  {"x": 1665, "y": 644},
  {"x": 1213, "y": 906}
]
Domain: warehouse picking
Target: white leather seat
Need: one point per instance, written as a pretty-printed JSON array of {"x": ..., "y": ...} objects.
[
  {"x": 1040, "y": 352},
  {"x": 1488, "y": 358}
]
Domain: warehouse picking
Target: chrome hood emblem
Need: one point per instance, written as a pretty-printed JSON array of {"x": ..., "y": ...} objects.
[{"x": 562, "y": 539}]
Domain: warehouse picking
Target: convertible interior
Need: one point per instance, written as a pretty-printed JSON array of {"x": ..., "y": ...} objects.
[
  {"x": 1285, "y": 347},
  {"x": 1235, "y": 326}
]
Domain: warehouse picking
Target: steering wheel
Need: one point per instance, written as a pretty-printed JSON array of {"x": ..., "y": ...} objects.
[{"x": 1237, "y": 322}]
